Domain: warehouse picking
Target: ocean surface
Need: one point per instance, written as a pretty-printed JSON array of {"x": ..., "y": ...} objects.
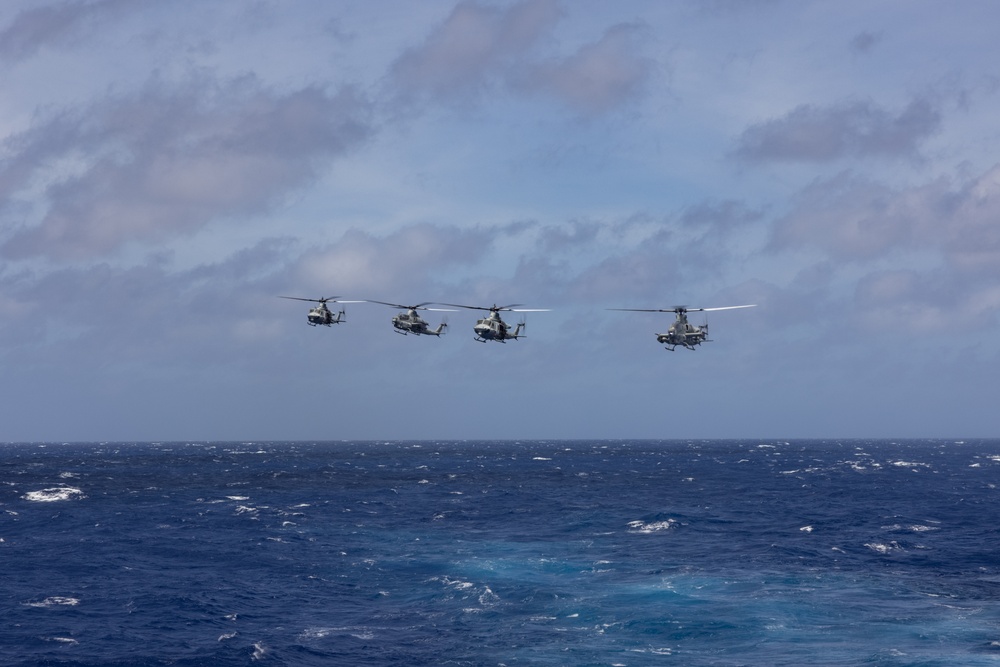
[{"x": 501, "y": 553}]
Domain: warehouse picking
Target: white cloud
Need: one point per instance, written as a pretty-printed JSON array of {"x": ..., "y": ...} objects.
[
  {"x": 55, "y": 24},
  {"x": 598, "y": 77},
  {"x": 857, "y": 129},
  {"x": 473, "y": 45},
  {"x": 171, "y": 159}
]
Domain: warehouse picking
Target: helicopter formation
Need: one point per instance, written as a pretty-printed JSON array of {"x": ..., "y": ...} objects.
[{"x": 492, "y": 327}]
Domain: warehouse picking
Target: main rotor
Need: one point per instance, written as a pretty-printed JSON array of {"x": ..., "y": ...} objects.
[
  {"x": 513, "y": 307},
  {"x": 680, "y": 310},
  {"x": 419, "y": 306},
  {"x": 322, "y": 300}
]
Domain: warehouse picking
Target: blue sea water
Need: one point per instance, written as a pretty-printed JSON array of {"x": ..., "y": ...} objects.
[{"x": 501, "y": 553}]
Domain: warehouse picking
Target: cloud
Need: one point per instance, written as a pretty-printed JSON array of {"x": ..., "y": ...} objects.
[
  {"x": 598, "y": 77},
  {"x": 479, "y": 47},
  {"x": 34, "y": 29},
  {"x": 972, "y": 229},
  {"x": 865, "y": 41},
  {"x": 853, "y": 218},
  {"x": 396, "y": 267},
  {"x": 858, "y": 129},
  {"x": 933, "y": 305},
  {"x": 941, "y": 240},
  {"x": 170, "y": 160},
  {"x": 91, "y": 317},
  {"x": 849, "y": 217},
  {"x": 473, "y": 45}
]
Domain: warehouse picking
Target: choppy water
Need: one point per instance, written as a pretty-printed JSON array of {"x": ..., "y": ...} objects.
[{"x": 501, "y": 553}]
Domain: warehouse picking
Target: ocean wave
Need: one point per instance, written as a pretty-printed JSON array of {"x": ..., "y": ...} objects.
[
  {"x": 884, "y": 548},
  {"x": 54, "y": 494},
  {"x": 652, "y": 526},
  {"x": 358, "y": 632},
  {"x": 54, "y": 601}
]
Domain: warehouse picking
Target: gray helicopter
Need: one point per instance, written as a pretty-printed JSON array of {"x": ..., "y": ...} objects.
[
  {"x": 410, "y": 322},
  {"x": 492, "y": 327},
  {"x": 681, "y": 332},
  {"x": 321, "y": 315}
]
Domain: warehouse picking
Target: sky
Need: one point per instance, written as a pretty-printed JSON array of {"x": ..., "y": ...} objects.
[{"x": 168, "y": 170}]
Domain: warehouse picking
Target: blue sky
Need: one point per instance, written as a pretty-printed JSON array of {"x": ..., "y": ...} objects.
[{"x": 168, "y": 169}]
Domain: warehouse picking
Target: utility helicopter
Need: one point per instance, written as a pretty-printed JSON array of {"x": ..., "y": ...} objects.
[
  {"x": 681, "y": 332},
  {"x": 492, "y": 327},
  {"x": 410, "y": 322},
  {"x": 321, "y": 315}
]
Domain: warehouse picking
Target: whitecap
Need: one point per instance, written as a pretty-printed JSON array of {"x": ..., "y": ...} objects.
[
  {"x": 54, "y": 494},
  {"x": 651, "y": 527},
  {"x": 259, "y": 651},
  {"x": 54, "y": 601},
  {"x": 883, "y": 548},
  {"x": 488, "y": 597},
  {"x": 653, "y": 651},
  {"x": 910, "y": 464},
  {"x": 63, "y": 640},
  {"x": 917, "y": 528},
  {"x": 454, "y": 583}
]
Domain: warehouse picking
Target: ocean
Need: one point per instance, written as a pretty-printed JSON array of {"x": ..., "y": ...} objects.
[{"x": 605, "y": 553}]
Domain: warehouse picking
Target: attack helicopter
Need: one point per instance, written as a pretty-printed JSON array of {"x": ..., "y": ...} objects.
[
  {"x": 492, "y": 327},
  {"x": 410, "y": 322},
  {"x": 321, "y": 315},
  {"x": 681, "y": 332}
]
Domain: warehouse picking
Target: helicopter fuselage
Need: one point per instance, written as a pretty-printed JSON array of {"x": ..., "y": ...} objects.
[
  {"x": 411, "y": 323},
  {"x": 682, "y": 333},
  {"x": 321, "y": 316},
  {"x": 492, "y": 327}
]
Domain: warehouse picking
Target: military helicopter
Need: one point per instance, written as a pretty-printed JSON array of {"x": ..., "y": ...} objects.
[
  {"x": 492, "y": 327},
  {"x": 321, "y": 315},
  {"x": 681, "y": 332},
  {"x": 411, "y": 322}
]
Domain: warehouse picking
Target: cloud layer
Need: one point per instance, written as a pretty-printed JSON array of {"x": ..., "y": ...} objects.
[{"x": 165, "y": 175}]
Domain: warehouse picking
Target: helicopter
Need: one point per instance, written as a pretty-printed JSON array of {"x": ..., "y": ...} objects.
[
  {"x": 681, "y": 332},
  {"x": 411, "y": 322},
  {"x": 492, "y": 327},
  {"x": 321, "y": 315}
]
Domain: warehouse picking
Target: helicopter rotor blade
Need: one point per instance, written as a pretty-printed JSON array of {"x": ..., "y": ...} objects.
[
  {"x": 458, "y": 305},
  {"x": 681, "y": 309},
  {"x": 646, "y": 310},
  {"x": 752, "y": 305},
  {"x": 299, "y": 298},
  {"x": 512, "y": 307},
  {"x": 419, "y": 306}
]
